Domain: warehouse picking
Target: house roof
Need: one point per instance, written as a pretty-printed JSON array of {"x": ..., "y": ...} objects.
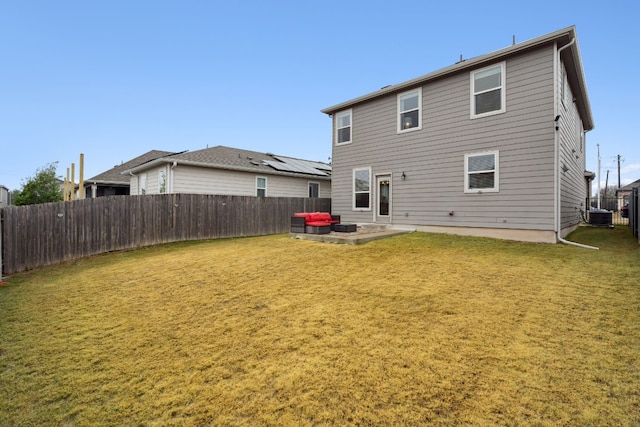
[
  {"x": 629, "y": 187},
  {"x": 114, "y": 175},
  {"x": 563, "y": 37},
  {"x": 221, "y": 157}
]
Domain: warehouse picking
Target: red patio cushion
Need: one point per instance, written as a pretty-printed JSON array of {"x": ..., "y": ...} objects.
[{"x": 319, "y": 216}]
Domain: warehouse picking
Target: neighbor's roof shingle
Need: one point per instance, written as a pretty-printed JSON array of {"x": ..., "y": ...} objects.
[
  {"x": 222, "y": 157},
  {"x": 114, "y": 175}
]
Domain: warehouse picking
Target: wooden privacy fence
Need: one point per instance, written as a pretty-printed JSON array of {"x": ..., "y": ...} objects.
[
  {"x": 634, "y": 212},
  {"x": 38, "y": 235}
]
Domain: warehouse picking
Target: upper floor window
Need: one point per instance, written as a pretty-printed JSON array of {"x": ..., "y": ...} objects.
[
  {"x": 481, "y": 172},
  {"x": 343, "y": 127},
  {"x": 261, "y": 186},
  {"x": 362, "y": 188},
  {"x": 488, "y": 91},
  {"x": 409, "y": 107}
]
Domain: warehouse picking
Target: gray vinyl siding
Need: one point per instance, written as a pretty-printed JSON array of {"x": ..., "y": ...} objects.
[
  {"x": 433, "y": 158},
  {"x": 133, "y": 185},
  {"x": 572, "y": 157}
]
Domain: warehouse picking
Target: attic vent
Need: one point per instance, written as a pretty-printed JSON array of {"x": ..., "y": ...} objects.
[
  {"x": 269, "y": 154},
  {"x": 249, "y": 158},
  {"x": 253, "y": 162}
]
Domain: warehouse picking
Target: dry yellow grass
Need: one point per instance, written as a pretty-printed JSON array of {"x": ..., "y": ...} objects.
[{"x": 409, "y": 330}]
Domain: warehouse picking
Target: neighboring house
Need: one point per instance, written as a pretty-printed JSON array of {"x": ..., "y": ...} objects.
[
  {"x": 231, "y": 171},
  {"x": 491, "y": 146},
  {"x": 623, "y": 193},
  {"x": 113, "y": 182},
  {"x": 4, "y": 196}
]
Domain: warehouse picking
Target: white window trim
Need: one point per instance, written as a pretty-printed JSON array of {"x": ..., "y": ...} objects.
[
  {"x": 399, "y": 113},
  {"x": 338, "y": 115},
  {"x": 496, "y": 173},
  {"x": 353, "y": 190},
  {"x": 503, "y": 91},
  {"x": 260, "y": 188},
  {"x": 313, "y": 182}
]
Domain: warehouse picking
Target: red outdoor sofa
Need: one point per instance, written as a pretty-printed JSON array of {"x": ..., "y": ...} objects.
[{"x": 313, "y": 222}]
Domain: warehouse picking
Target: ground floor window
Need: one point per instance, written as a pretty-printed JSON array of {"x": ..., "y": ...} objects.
[
  {"x": 481, "y": 172},
  {"x": 261, "y": 186},
  {"x": 362, "y": 188},
  {"x": 314, "y": 189}
]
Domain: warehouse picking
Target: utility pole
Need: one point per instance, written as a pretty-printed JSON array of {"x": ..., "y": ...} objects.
[
  {"x": 618, "y": 171},
  {"x": 81, "y": 183}
]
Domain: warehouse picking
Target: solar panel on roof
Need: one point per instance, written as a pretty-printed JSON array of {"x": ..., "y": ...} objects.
[
  {"x": 280, "y": 166},
  {"x": 294, "y": 165},
  {"x": 304, "y": 166}
]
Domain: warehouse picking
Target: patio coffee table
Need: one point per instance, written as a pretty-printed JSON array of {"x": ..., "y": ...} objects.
[{"x": 344, "y": 228}]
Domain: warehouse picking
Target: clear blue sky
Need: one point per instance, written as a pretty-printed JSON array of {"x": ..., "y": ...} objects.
[{"x": 114, "y": 79}]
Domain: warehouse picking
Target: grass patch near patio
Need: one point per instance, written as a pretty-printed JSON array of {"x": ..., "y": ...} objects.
[{"x": 414, "y": 329}]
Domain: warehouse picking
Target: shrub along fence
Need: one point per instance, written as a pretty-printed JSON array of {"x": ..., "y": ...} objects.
[{"x": 38, "y": 235}]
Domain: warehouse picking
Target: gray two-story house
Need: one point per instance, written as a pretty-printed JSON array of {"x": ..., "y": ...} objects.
[{"x": 490, "y": 146}]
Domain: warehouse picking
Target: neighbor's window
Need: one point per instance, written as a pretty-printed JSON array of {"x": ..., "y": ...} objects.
[
  {"x": 409, "y": 104},
  {"x": 488, "y": 91},
  {"x": 314, "y": 189},
  {"x": 261, "y": 186},
  {"x": 362, "y": 188},
  {"x": 162, "y": 181},
  {"x": 343, "y": 127},
  {"x": 481, "y": 172}
]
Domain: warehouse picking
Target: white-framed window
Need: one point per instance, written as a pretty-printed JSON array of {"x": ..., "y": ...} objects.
[
  {"x": 162, "y": 181},
  {"x": 261, "y": 186},
  {"x": 410, "y": 110},
  {"x": 481, "y": 172},
  {"x": 142, "y": 183},
  {"x": 314, "y": 189},
  {"x": 362, "y": 189},
  {"x": 488, "y": 91},
  {"x": 343, "y": 127}
]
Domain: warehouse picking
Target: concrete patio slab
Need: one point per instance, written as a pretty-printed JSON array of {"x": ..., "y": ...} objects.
[{"x": 361, "y": 235}]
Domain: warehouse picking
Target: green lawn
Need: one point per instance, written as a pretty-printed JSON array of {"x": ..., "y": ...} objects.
[{"x": 411, "y": 330}]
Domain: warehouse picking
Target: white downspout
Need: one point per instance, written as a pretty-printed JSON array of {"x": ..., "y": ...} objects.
[
  {"x": 557, "y": 174},
  {"x": 173, "y": 165}
]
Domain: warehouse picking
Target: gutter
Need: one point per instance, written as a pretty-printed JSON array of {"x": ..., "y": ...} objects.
[
  {"x": 171, "y": 172},
  {"x": 269, "y": 171},
  {"x": 558, "y": 215}
]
